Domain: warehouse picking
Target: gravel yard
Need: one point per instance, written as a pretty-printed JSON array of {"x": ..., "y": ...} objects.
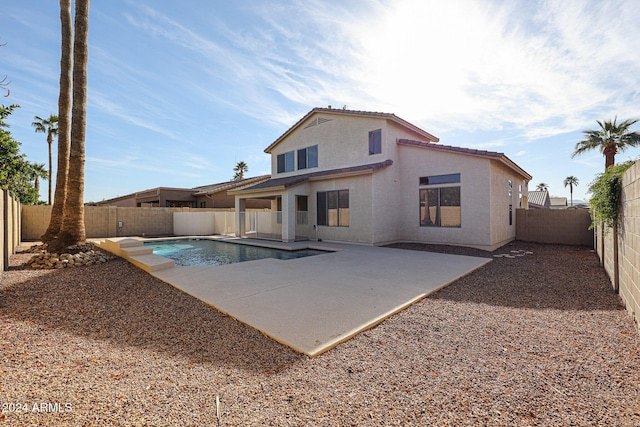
[{"x": 535, "y": 340}]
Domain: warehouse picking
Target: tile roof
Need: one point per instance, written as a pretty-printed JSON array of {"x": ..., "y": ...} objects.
[
  {"x": 290, "y": 181},
  {"x": 228, "y": 185},
  {"x": 471, "y": 151},
  {"x": 539, "y": 198},
  {"x": 388, "y": 116}
]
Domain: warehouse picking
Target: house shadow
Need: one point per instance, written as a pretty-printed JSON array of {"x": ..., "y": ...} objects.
[
  {"x": 118, "y": 303},
  {"x": 532, "y": 276}
]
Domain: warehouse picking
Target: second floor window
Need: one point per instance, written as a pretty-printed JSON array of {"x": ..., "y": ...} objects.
[
  {"x": 375, "y": 142},
  {"x": 308, "y": 157},
  {"x": 286, "y": 162}
]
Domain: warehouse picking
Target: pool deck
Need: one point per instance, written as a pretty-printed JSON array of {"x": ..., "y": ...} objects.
[{"x": 314, "y": 303}]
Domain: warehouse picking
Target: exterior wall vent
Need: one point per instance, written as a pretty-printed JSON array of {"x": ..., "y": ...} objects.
[{"x": 317, "y": 121}]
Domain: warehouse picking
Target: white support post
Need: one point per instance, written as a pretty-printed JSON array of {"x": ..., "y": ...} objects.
[
  {"x": 241, "y": 205},
  {"x": 288, "y": 217}
]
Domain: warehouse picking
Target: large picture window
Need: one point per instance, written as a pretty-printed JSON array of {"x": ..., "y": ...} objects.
[
  {"x": 440, "y": 207},
  {"x": 333, "y": 208},
  {"x": 308, "y": 157},
  {"x": 286, "y": 162}
]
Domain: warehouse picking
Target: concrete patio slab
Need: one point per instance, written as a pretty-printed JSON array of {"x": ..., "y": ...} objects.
[{"x": 312, "y": 304}]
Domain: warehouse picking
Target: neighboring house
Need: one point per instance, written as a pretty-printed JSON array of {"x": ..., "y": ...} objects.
[
  {"x": 208, "y": 196},
  {"x": 558, "y": 202},
  {"x": 374, "y": 178},
  {"x": 539, "y": 200}
]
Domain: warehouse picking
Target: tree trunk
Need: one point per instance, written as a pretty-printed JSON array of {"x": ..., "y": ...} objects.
[
  {"x": 64, "y": 105},
  {"x": 609, "y": 155},
  {"x": 50, "y": 141},
  {"x": 73, "y": 230}
]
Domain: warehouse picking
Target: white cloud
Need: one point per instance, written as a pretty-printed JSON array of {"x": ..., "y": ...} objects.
[
  {"x": 473, "y": 65},
  {"x": 536, "y": 71}
]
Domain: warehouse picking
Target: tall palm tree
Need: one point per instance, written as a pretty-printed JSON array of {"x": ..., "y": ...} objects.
[
  {"x": 571, "y": 181},
  {"x": 64, "y": 105},
  {"x": 542, "y": 187},
  {"x": 240, "y": 169},
  {"x": 72, "y": 230},
  {"x": 50, "y": 127},
  {"x": 611, "y": 138}
]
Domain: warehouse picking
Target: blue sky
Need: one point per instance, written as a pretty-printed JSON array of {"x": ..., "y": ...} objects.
[{"x": 179, "y": 92}]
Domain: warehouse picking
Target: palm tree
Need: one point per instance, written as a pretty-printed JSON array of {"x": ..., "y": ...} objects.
[
  {"x": 64, "y": 105},
  {"x": 72, "y": 230},
  {"x": 610, "y": 139},
  {"x": 571, "y": 181},
  {"x": 50, "y": 127},
  {"x": 239, "y": 169},
  {"x": 38, "y": 171},
  {"x": 542, "y": 187}
]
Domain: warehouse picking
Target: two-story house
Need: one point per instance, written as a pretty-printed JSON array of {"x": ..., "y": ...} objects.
[{"x": 374, "y": 178}]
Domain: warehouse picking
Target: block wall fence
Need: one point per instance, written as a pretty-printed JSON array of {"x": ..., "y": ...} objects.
[
  {"x": 555, "y": 226},
  {"x": 626, "y": 277},
  {"x": 113, "y": 221},
  {"x": 9, "y": 228}
]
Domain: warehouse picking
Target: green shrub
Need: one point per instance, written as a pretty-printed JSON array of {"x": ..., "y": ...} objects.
[{"x": 607, "y": 190}]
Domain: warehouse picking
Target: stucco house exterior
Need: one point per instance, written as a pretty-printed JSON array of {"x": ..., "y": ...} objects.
[{"x": 374, "y": 178}]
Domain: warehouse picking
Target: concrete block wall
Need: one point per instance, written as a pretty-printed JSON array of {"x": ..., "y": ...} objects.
[
  {"x": 102, "y": 221},
  {"x": 628, "y": 245},
  {"x": 629, "y": 242},
  {"x": 562, "y": 226},
  {"x": 10, "y": 220},
  {"x": 35, "y": 220}
]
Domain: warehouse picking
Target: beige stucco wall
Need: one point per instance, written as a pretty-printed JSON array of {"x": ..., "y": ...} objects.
[
  {"x": 474, "y": 189},
  {"x": 360, "y": 209},
  {"x": 343, "y": 141},
  {"x": 501, "y": 231}
]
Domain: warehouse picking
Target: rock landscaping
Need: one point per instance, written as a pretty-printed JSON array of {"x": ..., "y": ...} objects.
[
  {"x": 78, "y": 256},
  {"x": 534, "y": 340}
]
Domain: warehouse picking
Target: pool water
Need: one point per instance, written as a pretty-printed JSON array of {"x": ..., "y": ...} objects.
[{"x": 194, "y": 252}]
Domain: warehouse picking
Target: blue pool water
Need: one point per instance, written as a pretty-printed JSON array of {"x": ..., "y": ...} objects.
[{"x": 193, "y": 252}]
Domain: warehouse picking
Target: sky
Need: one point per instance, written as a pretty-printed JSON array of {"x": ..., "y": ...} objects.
[{"x": 179, "y": 92}]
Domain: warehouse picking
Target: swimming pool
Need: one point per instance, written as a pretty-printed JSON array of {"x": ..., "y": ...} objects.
[{"x": 194, "y": 252}]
